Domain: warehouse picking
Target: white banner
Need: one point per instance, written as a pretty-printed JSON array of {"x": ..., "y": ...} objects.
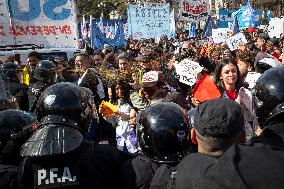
[
  {"x": 187, "y": 71},
  {"x": 49, "y": 24},
  {"x": 220, "y": 35},
  {"x": 236, "y": 40},
  {"x": 276, "y": 27},
  {"x": 192, "y": 10},
  {"x": 148, "y": 22}
]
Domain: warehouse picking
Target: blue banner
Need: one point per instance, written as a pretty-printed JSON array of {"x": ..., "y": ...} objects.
[
  {"x": 148, "y": 22},
  {"x": 111, "y": 32},
  {"x": 226, "y": 16},
  {"x": 246, "y": 16}
]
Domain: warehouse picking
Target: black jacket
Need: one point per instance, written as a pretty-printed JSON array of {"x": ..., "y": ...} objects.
[
  {"x": 137, "y": 173},
  {"x": 86, "y": 167}
]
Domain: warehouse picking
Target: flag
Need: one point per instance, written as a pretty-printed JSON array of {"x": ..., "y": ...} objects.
[
  {"x": 205, "y": 89},
  {"x": 84, "y": 29},
  {"x": 210, "y": 25},
  {"x": 268, "y": 15},
  {"x": 234, "y": 28},
  {"x": 246, "y": 16},
  {"x": 192, "y": 32}
]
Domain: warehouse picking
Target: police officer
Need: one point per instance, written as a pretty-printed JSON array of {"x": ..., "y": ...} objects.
[
  {"x": 162, "y": 132},
  {"x": 57, "y": 154},
  {"x": 16, "y": 91},
  {"x": 15, "y": 127},
  {"x": 44, "y": 76}
]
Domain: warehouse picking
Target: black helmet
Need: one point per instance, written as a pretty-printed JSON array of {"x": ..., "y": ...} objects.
[
  {"x": 45, "y": 71},
  {"x": 267, "y": 63},
  {"x": 269, "y": 95},
  {"x": 67, "y": 100},
  {"x": 10, "y": 70},
  {"x": 163, "y": 132},
  {"x": 15, "y": 128}
]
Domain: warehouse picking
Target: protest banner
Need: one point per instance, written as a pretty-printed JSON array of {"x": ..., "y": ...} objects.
[
  {"x": 220, "y": 35},
  {"x": 187, "y": 71},
  {"x": 234, "y": 41},
  {"x": 148, "y": 22},
  {"x": 225, "y": 17},
  {"x": 50, "y": 24},
  {"x": 191, "y": 10}
]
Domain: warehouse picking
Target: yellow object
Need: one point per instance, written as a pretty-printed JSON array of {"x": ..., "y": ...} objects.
[{"x": 108, "y": 108}]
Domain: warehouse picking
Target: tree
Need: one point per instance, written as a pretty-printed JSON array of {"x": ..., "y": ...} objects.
[{"x": 97, "y": 7}]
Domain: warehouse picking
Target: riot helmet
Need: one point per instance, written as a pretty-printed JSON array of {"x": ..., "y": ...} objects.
[
  {"x": 45, "y": 71},
  {"x": 268, "y": 95},
  {"x": 11, "y": 71},
  {"x": 162, "y": 132},
  {"x": 16, "y": 126},
  {"x": 66, "y": 100},
  {"x": 267, "y": 63}
]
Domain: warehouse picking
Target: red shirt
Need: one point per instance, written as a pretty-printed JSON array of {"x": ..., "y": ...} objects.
[{"x": 232, "y": 94}]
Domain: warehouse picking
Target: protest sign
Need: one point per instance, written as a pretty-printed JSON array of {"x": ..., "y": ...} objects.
[
  {"x": 252, "y": 78},
  {"x": 50, "y": 24},
  {"x": 220, "y": 35},
  {"x": 276, "y": 27},
  {"x": 191, "y": 10},
  {"x": 187, "y": 71},
  {"x": 148, "y": 22},
  {"x": 236, "y": 40}
]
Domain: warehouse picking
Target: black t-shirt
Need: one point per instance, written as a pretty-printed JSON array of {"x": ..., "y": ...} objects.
[{"x": 87, "y": 167}]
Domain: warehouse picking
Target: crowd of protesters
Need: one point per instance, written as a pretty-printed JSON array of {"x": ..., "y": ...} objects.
[{"x": 135, "y": 146}]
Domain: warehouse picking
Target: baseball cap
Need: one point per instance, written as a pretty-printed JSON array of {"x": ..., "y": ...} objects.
[
  {"x": 151, "y": 78},
  {"x": 219, "y": 118}
]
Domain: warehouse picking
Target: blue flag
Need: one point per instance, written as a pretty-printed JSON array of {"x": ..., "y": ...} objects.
[
  {"x": 192, "y": 32},
  {"x": 235, "y": 26},
  {"x": 268, "y": 15},
  {"x": 210, "y": 25},
  {"x": 246, "y": 16}
]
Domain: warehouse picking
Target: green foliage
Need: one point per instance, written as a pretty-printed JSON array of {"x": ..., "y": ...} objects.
[{"x": 96, "y": 7}]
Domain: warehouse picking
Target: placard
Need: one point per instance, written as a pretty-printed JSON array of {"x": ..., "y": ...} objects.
[
  {"x": 192, "y": 10},
  {"x": 220, "y": 35},
  {"x": 148, "y": 22},
  {"x": 187, "y": 71},
  {"x": 236, "y": 40}
]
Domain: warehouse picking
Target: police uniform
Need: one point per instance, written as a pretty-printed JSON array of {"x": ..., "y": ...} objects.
[
  {"x": 8, "y": 176},
  {"x": 86, "y": 167},
  {"x": 34, "y": 91}
]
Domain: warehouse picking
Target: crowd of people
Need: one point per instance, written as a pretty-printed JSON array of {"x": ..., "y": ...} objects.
[{"x": 56, "y": 133}]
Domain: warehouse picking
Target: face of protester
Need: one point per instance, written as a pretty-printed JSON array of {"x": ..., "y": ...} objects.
[
  {"x": 119, "y": 91},
  {"x": 81, "y": 64},
  {"x": 229, "y": 74},
  {"x": 32, "y": 62},
  {"x": 243, "y": 67},
  {"x": 122, "y": 65},
  {"x": 259, "y": 43}
]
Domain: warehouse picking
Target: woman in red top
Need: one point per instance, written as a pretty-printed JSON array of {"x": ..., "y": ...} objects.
[{"x": 228, "y": 78}]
